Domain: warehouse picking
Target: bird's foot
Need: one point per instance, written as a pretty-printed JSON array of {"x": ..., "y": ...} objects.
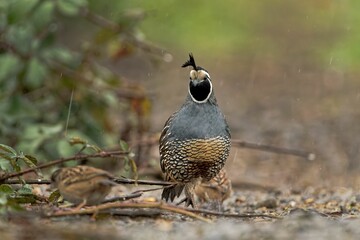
[{"x": 188, "y": 201}]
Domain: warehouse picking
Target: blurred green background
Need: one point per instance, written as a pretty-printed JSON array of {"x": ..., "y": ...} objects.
[{"x": 285, "y": 74}]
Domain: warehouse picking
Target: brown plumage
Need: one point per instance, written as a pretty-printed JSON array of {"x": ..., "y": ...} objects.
[
  {"x": 217, "y": 190},
  {"x": 83, "y": 185}
]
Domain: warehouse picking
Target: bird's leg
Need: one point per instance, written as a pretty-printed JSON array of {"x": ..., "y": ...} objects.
[
  {"x": 190, "y": 194},
  {"x": 82, "y": 204},
  {"x": 94, "y": 215}
]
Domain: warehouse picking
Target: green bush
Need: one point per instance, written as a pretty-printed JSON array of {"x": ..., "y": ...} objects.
[{"x": 52, "y": 89}]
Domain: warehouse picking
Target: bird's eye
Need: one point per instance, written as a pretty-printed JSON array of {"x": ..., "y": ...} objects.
[
  {"x": 202, "y": 74},
  {"x": 193, "y": 74}
]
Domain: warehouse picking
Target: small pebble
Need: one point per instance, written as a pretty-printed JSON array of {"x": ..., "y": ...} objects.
[{"x": 268, "y": 203}]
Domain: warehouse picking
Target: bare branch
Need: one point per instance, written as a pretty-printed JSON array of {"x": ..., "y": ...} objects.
[
  {"x": 118, "y": 28},
  {"x": 157, "y": 205},
  {"x": 142, "y": 182},
  {"x": 262, "y": 147},
  {"x": 117, "y": 180},
  {"x": 124, "y": 198}
]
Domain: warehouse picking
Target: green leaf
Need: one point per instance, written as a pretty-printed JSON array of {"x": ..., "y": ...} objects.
[
  {"x": 35, "y": 135},
  {"x": 20, "y": 108},
  {"x": 124, "y": 146},
  {"x": 5, "y": 156},
  {"x": 62, "y": 55},
  {"x": 25, "y": 199},
  {"x": 35, "y": 74},
  {"x": 94, "y": 147},
  {"x": 71, "y": 7},
  {"x": 54, "y": 196},
  {"x": 43, "y": 15},
  {"x": 20, "y": 37},
  {"x": 15, "y": 165},
  {"x": 31, "y": 158},
  {"x": 77, "y": 140},
  {"x": 5, "y": 165},
  {"x": 31, "y": 164},
  {"x": 10, "y": 65},
  {"x": 3, "y": 199},
  {"x": 26, "y": 189},
  {"x": 64, "y": 149},
  {"x": 13, "y": 204},
  {"x": 6, "y": 189},
  {"x": 134, "y": 168},
  {"x": 7, "y": 149},
  {"x": 20, "y": 9}
]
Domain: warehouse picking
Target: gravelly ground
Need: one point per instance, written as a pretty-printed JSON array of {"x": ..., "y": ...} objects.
[{"x": 309, "y": 214}]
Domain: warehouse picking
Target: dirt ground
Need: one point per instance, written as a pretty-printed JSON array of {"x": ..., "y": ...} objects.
[{"x": 311, "y": 213}]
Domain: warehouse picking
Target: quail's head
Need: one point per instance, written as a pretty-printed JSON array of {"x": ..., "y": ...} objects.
[{"x": 200, "y": 86}]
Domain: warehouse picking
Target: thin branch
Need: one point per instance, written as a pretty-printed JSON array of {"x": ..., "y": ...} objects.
[
  {"x": 28, "y": 181},
  {"x": 142, "y": 182},
  {"x": 124, "y": 198},
  {"x": 118, "y": 28},
  {"x": 151, "y": 141},
  {"x": 134, "y": 213},
  {"x": 62, "y": 160},
  {"x": 262, "y": 147},
  {"x": 117, "y": 180},
  {"x": 100, "y": 20},
  {"x": 158, "y": 205},
  {"x": 126, "y": 93}
]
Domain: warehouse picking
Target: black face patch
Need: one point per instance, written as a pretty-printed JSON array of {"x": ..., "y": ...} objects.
[{"x": 200, "y": 90}]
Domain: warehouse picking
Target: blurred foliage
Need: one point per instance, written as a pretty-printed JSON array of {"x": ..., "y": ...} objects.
[
  {"x": 51, "y": 90},
  {"x": 322, "y": 29},
  {"x": 58, "y": 96}
]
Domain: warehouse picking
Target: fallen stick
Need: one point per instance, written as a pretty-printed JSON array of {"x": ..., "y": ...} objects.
[
  {"x": 157, "y": 205},
  {"x": 262, "y": 147}
]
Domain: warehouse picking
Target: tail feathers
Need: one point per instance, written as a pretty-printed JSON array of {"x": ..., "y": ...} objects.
[{"x": 172, "y": 191}]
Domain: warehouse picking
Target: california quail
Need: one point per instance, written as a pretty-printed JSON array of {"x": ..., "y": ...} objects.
[
  {"x": 83, "y": 185},
  {"x": 195, "y": 141}
]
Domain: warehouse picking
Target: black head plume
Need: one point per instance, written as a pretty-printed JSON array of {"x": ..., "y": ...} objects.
[{"x": 190, "y": 62}]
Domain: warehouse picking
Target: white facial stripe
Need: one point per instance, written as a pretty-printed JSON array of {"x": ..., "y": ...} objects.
[{"x": 207, "y": 75}]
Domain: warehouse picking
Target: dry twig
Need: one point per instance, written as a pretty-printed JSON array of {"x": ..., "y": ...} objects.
[
  {"x": 157, "y": 205},
  {"x": 262, "y": 147}
]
